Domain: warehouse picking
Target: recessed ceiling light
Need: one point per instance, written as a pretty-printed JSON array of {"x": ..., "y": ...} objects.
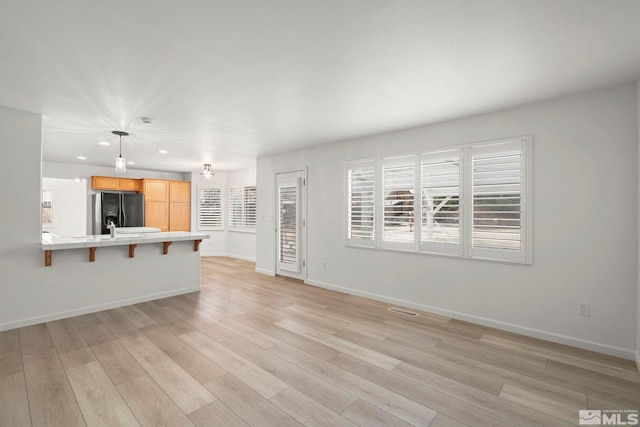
[
  {"x": 146, "y": 120},
  {"x": 81, "y": 158},
  {"x": 131, "y": 163},
  {"x": 163, "y": 152},
  {"x": 104, "y": 143}
]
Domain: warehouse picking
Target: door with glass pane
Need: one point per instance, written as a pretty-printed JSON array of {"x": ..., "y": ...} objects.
[{"x": 291, "y": 224}]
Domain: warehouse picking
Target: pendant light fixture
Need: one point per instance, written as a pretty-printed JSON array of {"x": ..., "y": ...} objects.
[
  {"x": 207, "y": 172},
  {"x": 121, "y": 162}
]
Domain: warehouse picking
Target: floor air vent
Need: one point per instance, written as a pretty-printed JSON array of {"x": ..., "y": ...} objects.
[{"x": 401, "y": 311}]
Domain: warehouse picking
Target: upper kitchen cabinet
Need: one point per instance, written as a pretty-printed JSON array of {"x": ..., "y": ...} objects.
[
  {"x": 112, "y": 183},
  {"x": 155, "y": 190}
]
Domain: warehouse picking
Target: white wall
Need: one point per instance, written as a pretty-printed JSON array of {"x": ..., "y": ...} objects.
[
  {"x": 585, "y": 225},
  {"x": 31, "y": 293},
  {"x": 69, "y": 206}
]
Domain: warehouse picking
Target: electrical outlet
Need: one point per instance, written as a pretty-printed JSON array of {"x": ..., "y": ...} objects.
[{"x": 585, "y": 309}]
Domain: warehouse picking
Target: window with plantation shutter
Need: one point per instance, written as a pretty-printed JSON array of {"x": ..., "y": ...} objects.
[
  {"x": 498, "y": 199},
  {"x": 472, "y": 201},
  {"x": 210, "y": 208},
  {"x": 241, "y": 207},
  {"x": 440, "y": 196},
  {"x": 47, "y": 208},
  {"x": 361, "y": 186},
  {"x": 399, "y": 182}
]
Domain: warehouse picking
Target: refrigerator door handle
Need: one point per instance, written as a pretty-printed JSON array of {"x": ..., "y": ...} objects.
[{"x": 122, "y": 210}]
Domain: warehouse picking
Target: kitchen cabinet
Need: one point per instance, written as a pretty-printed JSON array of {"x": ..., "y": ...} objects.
[
  {"x": 156, "y": 214},
  {"x": 155, "y": 190},
  {"x": 179, "y": 217},
  {"x": 112, "y": 183},
  {"x": 128, "y": 184},
  {"x": 179, "y": 191},
  {"x": 179, "y": 206},
  {"x": 167, "y": 204}
]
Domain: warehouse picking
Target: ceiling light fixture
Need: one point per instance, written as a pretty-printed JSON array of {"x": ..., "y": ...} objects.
[
  {"x": 163, "y": 152},
  {"x": 121, "y": 162},
  {"x": 207, "y": 172},
  {"x": 81, "y": 158},
  {"x": 105, "y": 143}
]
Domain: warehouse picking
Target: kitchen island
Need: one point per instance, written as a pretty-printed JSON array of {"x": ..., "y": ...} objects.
[{"x": 51, "y": 242}]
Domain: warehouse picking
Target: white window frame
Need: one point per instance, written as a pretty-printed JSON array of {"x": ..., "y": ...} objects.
[
  {"x": 524, "y": 254},
  {"x": 242, "y": 226},
  {"x": 464, "y": 249},
  {"x": 222, "y": 208}
]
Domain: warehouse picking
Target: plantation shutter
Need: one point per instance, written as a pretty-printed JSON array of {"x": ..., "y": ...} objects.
[
  {"x": 361, "y": 203},
  {"x": 235, "y": 207},
  {"x": 250, "y": 207},
  {"x": 289, "y": 225},
  {"x": 210, "y": 209},
  {"x": 440, "y": 197},
  {"x": 498, "y": 200},
  {"x": 47, "y": 207},
  {"x": 399, "y": 183}
]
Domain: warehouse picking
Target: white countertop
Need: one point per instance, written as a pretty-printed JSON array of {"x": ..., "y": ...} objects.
[
  {"x": 53, "y": 242},
  {"x": 136, "y": 230}
]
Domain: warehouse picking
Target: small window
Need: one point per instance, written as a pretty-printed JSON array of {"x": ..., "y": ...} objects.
[
  {"x": 242, "y": 209},
  {"x": 47, "y": 208},
  {"x": 210, "y": 208}
]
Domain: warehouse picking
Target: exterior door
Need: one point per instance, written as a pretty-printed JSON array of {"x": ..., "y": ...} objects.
[{"x": 291, "y": 225}]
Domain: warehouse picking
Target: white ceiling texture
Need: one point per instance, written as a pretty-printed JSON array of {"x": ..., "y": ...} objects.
[{"x": 227, "y": 81}]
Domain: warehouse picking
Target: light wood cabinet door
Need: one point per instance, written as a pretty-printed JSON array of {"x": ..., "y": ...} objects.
[
  {"x": 128, "y": 184},
  {"x": 179, "y": 216},
  {"x": 156, "y": 214},
  {"x": 156, "y": 190},
  {"x": 180, "y": 191},
  {"x": 105, "y": 183}
]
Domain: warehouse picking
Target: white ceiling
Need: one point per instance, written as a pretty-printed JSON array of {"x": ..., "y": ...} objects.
[{"x": 229, "y": 80}]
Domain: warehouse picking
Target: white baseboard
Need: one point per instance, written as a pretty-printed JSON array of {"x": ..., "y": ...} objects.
[
  {"x": 267, "y": 272},
  {"x": 92, "y": 309},
  {"x": 518, "y": 329},
  {"x": 244, "y": 258}
]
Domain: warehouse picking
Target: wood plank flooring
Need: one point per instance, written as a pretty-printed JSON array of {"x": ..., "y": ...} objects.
[{"x": 254, "y": 350}]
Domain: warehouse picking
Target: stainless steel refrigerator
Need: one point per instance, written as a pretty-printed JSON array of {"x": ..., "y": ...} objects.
[{"x": 123, "y": 209}]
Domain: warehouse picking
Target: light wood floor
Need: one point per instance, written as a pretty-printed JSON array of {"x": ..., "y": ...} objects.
[{"x": 256, "y": 350}]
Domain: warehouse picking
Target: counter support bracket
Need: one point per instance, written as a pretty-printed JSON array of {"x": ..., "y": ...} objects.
[
  {"x": 92, "y": 254},
  {"x": 47, "y": 258},
  {"x": 132, "y": 250},
  {"x": 165, "y": 247},
  {"x": 196, "y": 244}
]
